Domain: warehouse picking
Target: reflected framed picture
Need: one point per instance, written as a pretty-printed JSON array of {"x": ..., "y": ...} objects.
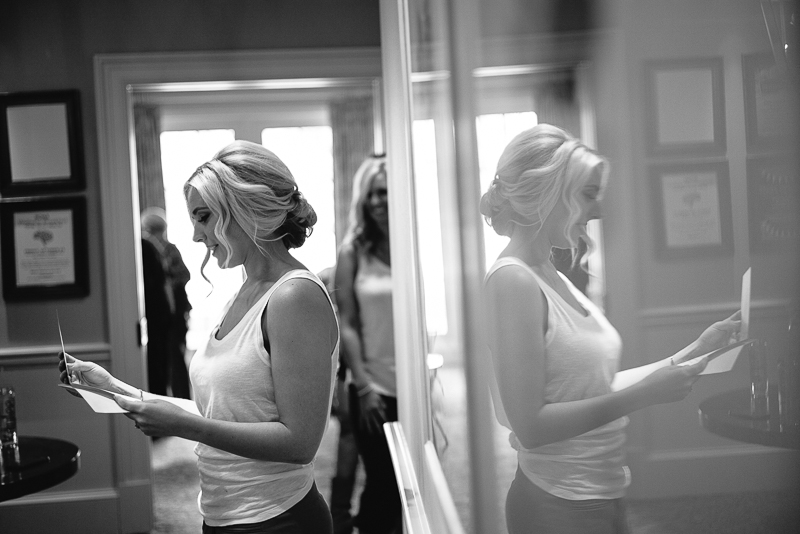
[
  {"x": 773, "y": 202},
  {"x": 44, "y": 249},
  {"x": 691, "y": 209},
  {"x": 767, "y": 100},
  {"x": 685, "y": 107},
  {"x": 41, "y": 149}
]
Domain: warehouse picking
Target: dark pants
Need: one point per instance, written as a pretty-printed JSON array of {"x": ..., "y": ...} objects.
[
  {"x": 309, "y": 516},
  {"x": 380, "y": 510},
  {"x": 531, "y": 510},
  {"x": 344, "y": 481},
  {"x": 178, "y": 374},
  {"x": 157, "y": 359}
]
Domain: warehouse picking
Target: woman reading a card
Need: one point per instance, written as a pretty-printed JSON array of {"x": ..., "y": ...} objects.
[
  {"x": 555, "y": 357},
  {"x": 263, "y": 384}
]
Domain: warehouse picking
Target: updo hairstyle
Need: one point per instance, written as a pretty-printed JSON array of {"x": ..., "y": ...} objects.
[
  {"x": 539, "y": 167},
  {"x": 247, "y": 183}
]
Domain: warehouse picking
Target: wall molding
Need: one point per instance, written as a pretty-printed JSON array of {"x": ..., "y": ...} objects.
[
  {"x": 106, "y": 494},
  {"x": 686, "y": 315},
  {"x": 678, "y": 473},
  {"x": 45, "y": 354}
]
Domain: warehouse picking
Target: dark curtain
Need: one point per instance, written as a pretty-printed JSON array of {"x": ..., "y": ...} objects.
[
  {"x": 352, "y": 123},
  {"x": 148, "y": 156}
]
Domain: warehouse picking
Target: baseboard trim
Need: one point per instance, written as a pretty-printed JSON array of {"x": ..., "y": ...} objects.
[
  {"x": 136, "y": 506},
  {"x": 57, "y": 497},
  {"x": 669, "y": 474}
]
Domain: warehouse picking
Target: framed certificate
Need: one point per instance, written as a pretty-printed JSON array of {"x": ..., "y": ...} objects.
[
  {"x": 685, "y": 107},
  {"x": 692, "y": 209},
  {"x": 44, "y": 249},
  {"x": 773, "y": 202},
  {"x": 40, "y": 143},
  {"x": 768, "y": 103}
]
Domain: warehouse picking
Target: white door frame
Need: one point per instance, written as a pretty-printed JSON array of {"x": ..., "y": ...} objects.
[{"x": 117, "y": 76}]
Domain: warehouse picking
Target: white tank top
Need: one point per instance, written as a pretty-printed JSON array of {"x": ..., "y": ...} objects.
[
  {"x": 581, "y": 358},
  {"x": 232, "y": 381},
  {"x": 373, "y": 289}
]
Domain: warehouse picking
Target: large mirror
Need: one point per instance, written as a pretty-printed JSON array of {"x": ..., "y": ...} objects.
[{"x": 479, "y": 73}]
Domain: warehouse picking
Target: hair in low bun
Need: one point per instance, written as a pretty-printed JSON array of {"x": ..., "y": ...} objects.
[
  {"x": 249, "y": 184},
  {"x": 495, "y": 207},
  {"x": 299, "y": 222}
]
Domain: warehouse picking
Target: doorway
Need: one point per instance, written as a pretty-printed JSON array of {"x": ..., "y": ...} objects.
[{"x": 117, "y": 78}]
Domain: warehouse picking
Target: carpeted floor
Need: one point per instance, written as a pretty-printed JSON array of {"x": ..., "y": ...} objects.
[{"x": 176, "y": 485}]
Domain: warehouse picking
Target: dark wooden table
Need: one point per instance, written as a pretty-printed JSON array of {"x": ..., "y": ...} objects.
[
  {"x": 731, "y": 415},
  {"x": 44, "y": 462}
]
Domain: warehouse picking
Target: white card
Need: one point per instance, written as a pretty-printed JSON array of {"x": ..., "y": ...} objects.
[{"x": 745, "y": 306}]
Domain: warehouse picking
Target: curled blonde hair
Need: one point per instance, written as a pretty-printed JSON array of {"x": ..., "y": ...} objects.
[
  {"x": 363, "y": 231},
  {"x": 249, "y": 184},
  {"x": 540, "y": 167}
]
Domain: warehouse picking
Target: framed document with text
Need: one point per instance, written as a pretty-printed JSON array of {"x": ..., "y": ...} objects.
[
  {"x": 768, "y": 101},
  {"x": 692, "y": 209},
  {"x": 44, "y": 249}
]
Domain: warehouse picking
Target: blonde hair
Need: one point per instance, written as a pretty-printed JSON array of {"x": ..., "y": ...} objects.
[
  {"x": 249, "y": 184},
  {"x": 540, "y": 167},
  {"x": 363, "y": 231}
]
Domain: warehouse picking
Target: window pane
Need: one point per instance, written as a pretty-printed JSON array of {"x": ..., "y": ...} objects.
[
  {"x": 429, "y": 231},
  {"x": 494, "y": 133},
  {"x": 308, "y": 152},
  {"x": 181, "y": 153}
]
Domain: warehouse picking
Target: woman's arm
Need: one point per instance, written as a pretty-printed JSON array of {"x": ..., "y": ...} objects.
[
  {"x": 91, "y": 374},
  {"x": 517, "y": 324},
  {"x": 347, "y": 307},
  {"x": 372, "y": 413},
  {"x": 302, "y": 332},
  {"x": 714, "y": 337}
]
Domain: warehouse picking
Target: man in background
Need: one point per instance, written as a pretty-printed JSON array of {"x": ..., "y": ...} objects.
[{"x": 154, "y": 231}]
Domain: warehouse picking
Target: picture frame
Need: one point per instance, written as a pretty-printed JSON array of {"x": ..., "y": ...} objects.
[
  {"x": 773, "y": 204},
  {"x": 691, "y": 209},
  {"x": 685, "y": 107},
  {"x": 44, "y": 248},
  {"x": 41, "y": 148},
  {"x": 767, "y": 97}
]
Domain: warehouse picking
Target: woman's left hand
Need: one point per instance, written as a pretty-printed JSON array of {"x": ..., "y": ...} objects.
[
  {"x": 154, "y": 417},
  {"x": 718, "y": 335}
]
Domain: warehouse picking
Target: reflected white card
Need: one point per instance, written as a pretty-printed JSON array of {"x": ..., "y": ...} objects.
[
  {"x": 721, "y": 360},
  {"x": 745, "y": 306}
]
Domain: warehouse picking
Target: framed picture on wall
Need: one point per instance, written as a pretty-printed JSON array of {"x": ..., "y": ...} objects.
[
  {"x": 44, "y": 249},
  {"x": 685, "y": 107},
  {"x": 691, "y": 209},
  {"x": 767, "y": 102},
  {"x": 40, "y": 143},
  {"x": 772, "y": 202}
]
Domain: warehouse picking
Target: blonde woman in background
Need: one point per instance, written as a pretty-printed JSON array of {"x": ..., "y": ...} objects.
[{"x": 363, "y": 290}]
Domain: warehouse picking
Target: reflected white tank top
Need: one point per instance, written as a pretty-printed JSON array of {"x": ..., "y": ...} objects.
[{"x": 582, "y": 355}]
